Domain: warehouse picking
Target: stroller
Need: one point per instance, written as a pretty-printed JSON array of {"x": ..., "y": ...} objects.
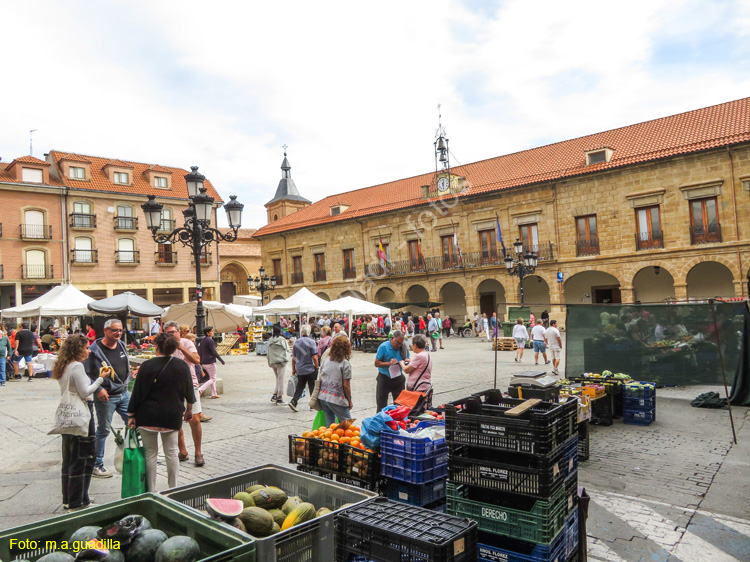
[{"x": 419, "y": 398}]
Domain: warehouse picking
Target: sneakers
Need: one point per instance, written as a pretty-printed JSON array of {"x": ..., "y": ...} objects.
[
  {"x": 101, "y": 472},
  {"x": 555, "y": 372},
  {"x": 515, "y": 359},
  {"x": 547, "y": 362},
  {"x": 274, "y": 398},
  {"x": 279, "y": 401},
  {"x": 536, "y": 363},
  {"x": 293, "y": 406}
]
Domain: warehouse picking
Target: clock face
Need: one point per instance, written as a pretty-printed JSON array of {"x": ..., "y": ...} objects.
[{"x": 443, "y": 184}]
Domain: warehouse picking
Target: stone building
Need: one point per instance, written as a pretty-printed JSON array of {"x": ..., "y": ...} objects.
[
  {"x": 81, "y": 221},
  {"x": 239, "y": 261},
  {"x": 649, "y": 212}
]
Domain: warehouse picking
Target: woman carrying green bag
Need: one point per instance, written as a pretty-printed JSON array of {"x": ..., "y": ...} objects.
[
  {"x": 133, "y": 465},
  {"x": 157, "y": 406}
]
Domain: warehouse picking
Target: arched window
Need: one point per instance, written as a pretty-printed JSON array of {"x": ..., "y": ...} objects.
[
  {"x": 33, "y": 226},
  {"x": 125, "y": 218},
  {"x": 36, "y": 264},
  {"x": 167, "y": 224},
  {"x": 83, "y": 251},
  {"x": 82, "y": 216},
  {"x": 126, "y": 251}
]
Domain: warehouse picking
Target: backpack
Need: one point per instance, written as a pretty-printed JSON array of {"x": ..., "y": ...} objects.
[{"x": 709, "y": 400}]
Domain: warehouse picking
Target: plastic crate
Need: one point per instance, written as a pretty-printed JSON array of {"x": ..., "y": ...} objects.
[
  {"x": 550, "y": 394},
  {"x": 377, "y": 485},
  {"x": 631, "y": 391},
  {"x": 571, "y": 534},
  {"x": 537, "y": 521},
  {"x": 421, "y": 447},
  {"x": 218, "y": 542},
  {"x": 302, "y": 451},
  {"x": 639, "y": 418},
  {"x": 311, "y": 541},
  {"x": 536, "y": 476},
  {"x": 415, "y": 494},
  {"x": 602, "y": 410},
  {"x": 584, "y": 441},
  {"x": 413, "y": 460},
  {"x": 319, "y": 473},
  {"x": 638, "y": 404},
  {"x": 496, "y": 548},
  {"x": 359, "y": 464},
  {"x": 540, "y": 430},
  {"x": 570, "y": 458},
  {"x": 390, "y": 531},
  {"x": 415, "y": 475},
  {"x": 593, "y": 390}
]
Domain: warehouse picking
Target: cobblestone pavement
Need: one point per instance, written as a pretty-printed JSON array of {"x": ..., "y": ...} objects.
[{"x": 674, "y": 491}]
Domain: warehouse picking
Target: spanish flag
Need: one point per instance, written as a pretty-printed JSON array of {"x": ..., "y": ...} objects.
[{"x": 381, "y": 250}]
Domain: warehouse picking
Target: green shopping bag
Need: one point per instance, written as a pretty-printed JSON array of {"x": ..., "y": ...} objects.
[
  {"x": 133, "y": 465},
  {"x": 319, "y": 421}
]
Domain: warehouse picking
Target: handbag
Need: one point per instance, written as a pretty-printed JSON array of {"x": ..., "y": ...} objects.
[
  {"x": 133, "y": 465},
  {"x": 313, "y": 402},
  {"x": 205, "y": 377},
  {"x": 291, "y": 385},
  {"x": 72, "y": 416}
]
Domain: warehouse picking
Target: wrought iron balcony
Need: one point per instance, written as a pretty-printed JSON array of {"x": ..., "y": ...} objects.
[
  {"x": 280, "y": 280},
  {"x": 166, "y": 225},
  {"x": 84, "y": 256},
  {"x": 205, "y": 259},
  {"x": 126, "y": 223},
  {"x": 350, "y": 273},
  {"x": 82, "y": 221},
  {"x": 319, "y": 275},
  {"x": 649, "y": 241},
  {"x": 587, "y": 247},
  {"x": 37, "y": 272},
  {"x": 705, "y": 234},
  {"x": 36, "y": 231},
  {"x": 166, "y": 258},
  {"x": 296, "y": 278},
  {"x": 128, "y": 257}
]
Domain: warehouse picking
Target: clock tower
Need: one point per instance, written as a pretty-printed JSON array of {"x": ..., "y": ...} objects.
[{"x": 287, "y": 199}]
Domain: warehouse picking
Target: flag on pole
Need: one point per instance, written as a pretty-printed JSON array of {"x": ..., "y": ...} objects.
[
  {"x": 420, "y": 255},
  {"x": 499, "y": 234},
  {"x": 455, "y": 241},
  {"x": 381, "y": 250}
]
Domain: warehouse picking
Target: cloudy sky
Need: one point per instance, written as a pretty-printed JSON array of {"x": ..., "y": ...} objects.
[{"x": 351, "y": 87}]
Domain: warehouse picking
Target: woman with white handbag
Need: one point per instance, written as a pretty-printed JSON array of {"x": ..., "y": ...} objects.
[{"x": 75, "y": 421}]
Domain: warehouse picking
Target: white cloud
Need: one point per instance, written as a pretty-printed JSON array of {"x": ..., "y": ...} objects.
[{"x": 351, "y": 87}]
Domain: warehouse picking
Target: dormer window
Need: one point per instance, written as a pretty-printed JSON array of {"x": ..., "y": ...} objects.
[
  {"x": 599, "y": 155},
  {"x": 160, "y": 182},
  {"x": 121, "y": 178},
  {"x": 76, "y": 173},
  {"x": 338, "y": 209},
  {"x": 32, "y": 175}
]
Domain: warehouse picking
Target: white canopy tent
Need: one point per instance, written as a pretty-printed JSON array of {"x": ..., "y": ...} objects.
[
  {"x": 352, "y": 306},
  {"x": 301, "y": 302},
  {"x": 63, "y": 300},
  {"x": 223, "y": 317}
]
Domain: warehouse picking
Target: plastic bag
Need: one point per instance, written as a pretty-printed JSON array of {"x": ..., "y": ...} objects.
[
  {"x": 397, "y": 412},
  {"x": 319, "y": 421},
  {"x": 372, "y": 426},
  {"x": 133, "y": 466},
  {"x": 291, "y": 385},
  {"x": 119, "y": 456},
  {"x": 22, "y": 364}
]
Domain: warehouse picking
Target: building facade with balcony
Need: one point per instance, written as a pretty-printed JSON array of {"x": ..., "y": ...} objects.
[
  {"x": 239, "y": 261},
  {"x": 648, "y": 212},
  {"x": 82, "y": 223}
]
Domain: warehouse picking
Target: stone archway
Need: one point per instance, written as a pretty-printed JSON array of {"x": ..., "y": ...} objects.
[
  {"x": 233, "y": 277},
  {"x": 353, "y": 293},
  {"x": 384, "y": 295},
  {"x": 592, "y": 287},
  {"x": 417, "y": 293},
  {"x": 324, "y": 296},
  {"x": 453, "y": 297},
  {"x": 653, "y": 284},
  {"x": 491, "y": 294},
  {"x": 536, "y": 294},
  {"x": 709, "y": 279}
]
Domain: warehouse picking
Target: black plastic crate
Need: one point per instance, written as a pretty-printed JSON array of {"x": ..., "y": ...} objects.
[
  {"x": 583, "y": 441},
  {"x": 540, "y": 430},
  {"x": 638, "y": 404},
  {"x": 549, "y": 394},
  {"x": 570, "y": 460},
  {"x": 390, "y": 531},
  {"x": 536, "y": 476},
  {"x": 602, "y": 410},
  {"x": 498, "y": 548},
  {"x": 376, "y": 485},
  {"x": 415, "y": 494}
]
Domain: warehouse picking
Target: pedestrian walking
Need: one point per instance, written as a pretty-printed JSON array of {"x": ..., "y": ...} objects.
[
  {"x": 545, "y": 318},
  {"x": 439, "y": 329},
  {"x": 539, "y": 341},
  {"x": 477, "y": 327},
  {"x": 389, "y": 354},
  {"x": 432, "y": 327},
  {"x": 24, "y": 348},
  {"x": 78, "y": 452},
  {"x": 521, "y": 336},
  {"x": 304, "y": 365},
  {"x": 422, "y": 325},
  {"x": 157, "y": 408},
  {"x": 335, "y": 396},
  {"x": 555, "y": 345},
  {"x": 208, "y": 356},
  {"x": 486, "y": 326},
  {"x": 5, "y": 353},
  {"x": 494, "y": 325},
  {"x": 278, "y": 357},
  {"x": 447, "y": 325}
]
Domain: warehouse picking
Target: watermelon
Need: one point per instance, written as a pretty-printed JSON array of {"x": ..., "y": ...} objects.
[
  {"x": 220, "y": 508},
  {"x": 144, "y": 546},
  {"x": 115, "y": 556},
  {"x": 83, "y": 535},
  {"x": 178, "y": 549},
  {"x": 56, "y": 556}
]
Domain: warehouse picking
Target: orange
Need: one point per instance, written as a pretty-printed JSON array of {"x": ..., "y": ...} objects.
[
  {"x": 307, "y": 434},
  {"x": 354, "y": 442},
  {"x": 349, "y": 432},
  {"x": 333, "y": 426},
  {"x": 340, "y": 432},
  {"x": 345, "y": 440},
  {"x": 334, "y": 437}
]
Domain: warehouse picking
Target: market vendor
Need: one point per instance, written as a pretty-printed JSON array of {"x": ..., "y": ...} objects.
[{"x": 389, "y": 354}]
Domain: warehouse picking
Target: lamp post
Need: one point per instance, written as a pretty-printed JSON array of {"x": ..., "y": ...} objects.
[
  {"x": 524, "y": 264},
  {"x": 196, "y": 233},
  {"x": 262, "y": 283}
]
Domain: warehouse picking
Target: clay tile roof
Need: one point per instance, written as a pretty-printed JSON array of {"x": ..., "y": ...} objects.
[
  {"x": 139, "y": 184},
  {"x": 119, "y": 164},
  {"x": 693, "y": 131},
  {"x": 157, "y": 168},
  {"x": 10, "y": 177},
  {"x": 76, "y": 158},
  {"x": 31, "y": 160}
]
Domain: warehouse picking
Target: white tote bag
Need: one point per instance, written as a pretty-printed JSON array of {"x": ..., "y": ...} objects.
[{"x": 73, "y": 415}]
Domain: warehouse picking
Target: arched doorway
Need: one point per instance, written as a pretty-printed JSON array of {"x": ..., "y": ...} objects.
[
  {"x": 417, "y": 293},
  {"x": 233, "y": 281},
  {"x": 453, "y": 297},
  {"x": 324, "y": 296},
  {"x": 385, "y": 295},
  {"x": 593, "y": 287},
  {"x": 491, "y": 294},
  {"x": 355, "y": 294},
  {"x": 536, "y": 295},
  {"x": 653, "y": 284},
  {"x": 709, "y": 279}
]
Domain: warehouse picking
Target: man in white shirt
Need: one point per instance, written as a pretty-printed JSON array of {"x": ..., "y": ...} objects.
[
  {"x": 555, "y": 344},
  {"x": 539, "y": 341}
]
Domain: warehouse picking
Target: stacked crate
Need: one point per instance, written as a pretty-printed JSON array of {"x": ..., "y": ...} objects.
[
  {"x": 639, "y": 403},
  {"x": 503, "y": 344},
  {"x": 415, "y": 468},
  {"x": 516, "y": 476}
]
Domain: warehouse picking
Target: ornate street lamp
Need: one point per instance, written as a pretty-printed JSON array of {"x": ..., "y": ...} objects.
[
  {"x": 262, "y": 283},
  {"x": 524, "y": 264},
  {"x": 197, "y": 232}
]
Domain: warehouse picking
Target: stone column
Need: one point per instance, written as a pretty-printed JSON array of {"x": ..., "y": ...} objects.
[
  {"x": 680, "y": 291},
  {"x": 627, "y": 295},
  {"x": 150, "y": 294},
  {"x": 739, "y": 288},
  {"x": 185, "y": 294}
]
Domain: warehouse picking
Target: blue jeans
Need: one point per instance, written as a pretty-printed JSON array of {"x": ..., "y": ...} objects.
[
  {"x": 333, "y": 411},
  {"x": 104, "y": 413},
  {"x": 2, "y": 370}
]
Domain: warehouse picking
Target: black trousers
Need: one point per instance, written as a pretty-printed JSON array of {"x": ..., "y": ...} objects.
[
  {"x": 78, "y": 454},
  {"x": 385, "y": 386},
  {"x": 303, "y": 380}
]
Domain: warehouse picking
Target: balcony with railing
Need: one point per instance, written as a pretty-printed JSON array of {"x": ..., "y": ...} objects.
[
  {"x": 350, "y": 273},
  {"x": 296, "y": 278},
  {"x": 126, "y": 223},
  {"x": 319, "y": 275},
  {"x": 166, "y": 225},
  {"x": 84, "y": 257},
  {"x": 205, "y": 259},
  {"x": 166, "y": 258},
  {"x": 37, "y": 271},
  {"x": 705, "y": 234},
  {"x": 279, "y": 280},
  {"x": 81, "y": 221},
  {"x": 649, "y": 240},
  {"x": 127, "y": 257},
  {"x": 587, "y": 247},
  {"x": 36, "y": 231}
]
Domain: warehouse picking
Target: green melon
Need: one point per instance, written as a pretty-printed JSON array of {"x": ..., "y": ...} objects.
[
  {"x": 277, "y": 515},
  {"x": 56, "y": 556},
  {"x": 178, "y": 549},
  {"x": 144, "y": 546},
  {"x": 322, "y": 511},
  {"x": 291, "y": 504},
  {"x": 269, "y": 498},
  {"x": 276, "y": 528},
  {"x": 245, "y": 498},
  {"x": 257, "y": 521},
  {"x": 254, "y": 487}
]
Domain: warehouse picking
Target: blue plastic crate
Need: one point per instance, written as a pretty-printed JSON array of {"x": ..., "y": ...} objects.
[
  {"x": 413, "y": 453},
  {"x": 570, "y": 460},
  {"x": 398, "y": 459},
  {"x": 571, "y": 534},
  {"x": 631, "y": 391},
  {"x": 638, "y": 404},
  {"x": 415, "y": 476},
  {"x": 639, "y": 418},
  {"x": 497, "y": 548},
  {"x": 416, "y": 494}
]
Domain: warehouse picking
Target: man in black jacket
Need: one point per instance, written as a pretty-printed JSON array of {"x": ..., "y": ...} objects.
[{"x": 113, "y": 396}]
